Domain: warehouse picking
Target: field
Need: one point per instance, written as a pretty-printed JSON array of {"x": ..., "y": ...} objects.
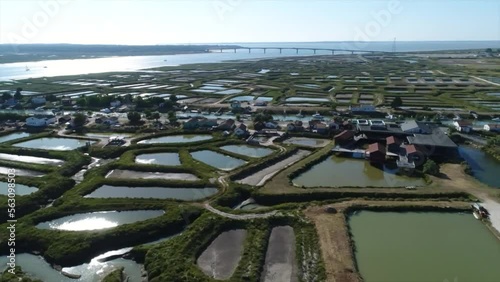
[{"x": 295, "y": 233}]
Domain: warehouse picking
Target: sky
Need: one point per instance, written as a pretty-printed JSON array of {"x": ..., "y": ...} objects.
[{"x": 150, "y": 22}]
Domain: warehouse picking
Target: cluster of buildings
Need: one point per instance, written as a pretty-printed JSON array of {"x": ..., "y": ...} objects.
[
  {"x": 228, "y": 126},
  {"x": 409, "y": 143}
]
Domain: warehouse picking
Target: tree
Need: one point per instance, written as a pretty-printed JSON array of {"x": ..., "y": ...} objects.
[
  {"x": 156, "y": 116},
  {"x": 262, "y": 117},
  {"x": 82, "y": 102},
  {"x": 173, "y": 98},
  {"x": 488, "y": 50},
  {"x": 238, "y": 117},
  {"x": 18, "y": 95},
  {"x": 134, "y": 117},
  {"x": 6, "y": 96},
  {"x": 51, "y": 98},
  {"x": 79, "y": 120},
  {"x": 396, "y": 103},
  {"x": 172, "y": 117},
  {"x": 431, "y": 167}
]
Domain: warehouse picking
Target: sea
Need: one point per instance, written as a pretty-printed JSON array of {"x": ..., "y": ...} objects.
[{"x": 53, "y": 68}]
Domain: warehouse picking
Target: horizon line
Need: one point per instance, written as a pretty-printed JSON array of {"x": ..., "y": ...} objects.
[{"x": 249, "y": 42}]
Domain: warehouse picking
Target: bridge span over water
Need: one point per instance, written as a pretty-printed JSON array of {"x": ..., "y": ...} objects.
[{"x": 297, "y": 49}]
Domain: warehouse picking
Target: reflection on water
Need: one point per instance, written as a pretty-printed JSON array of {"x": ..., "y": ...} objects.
[
  {"x": 159, "y": 159},
  {"x": 57, "y": 144},
  {"x": 13, "y": 136},
  {"x": 21, "y": 189},
  {"x": 176, "y": 139},
  {"x": 98, "y": 220},
  {"x": 217, "y": 160},
  {"x": 484, "y": 167},
  {"x": 346, "y": 172},
  {"x": 37, "y": 267}
]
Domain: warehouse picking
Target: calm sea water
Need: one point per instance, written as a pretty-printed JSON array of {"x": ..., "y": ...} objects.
[{"x": 16, "y": 71}]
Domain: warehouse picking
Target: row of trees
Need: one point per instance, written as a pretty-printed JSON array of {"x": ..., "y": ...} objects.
[
  {"x": 135, "y": 117},
  {"x": 17, "y": 95},
  {"x": 103, "y": 101}
]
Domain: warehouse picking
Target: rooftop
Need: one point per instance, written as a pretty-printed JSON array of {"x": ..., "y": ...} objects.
[{"x": 436, "y": 139}]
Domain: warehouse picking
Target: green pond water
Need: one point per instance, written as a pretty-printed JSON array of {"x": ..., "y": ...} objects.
[
  {"x": 484, "y": 167},
  {"x": 176, "y": 139},
  {"x": 21, "y": 189},
  {"x": 98, "y": 220},
  {"x": 217, "y": 160},
  {"x": 186, "y": 194},
  {"x": 13, "y": 136},
  {"x": 50, "y": 143},
  {"x": 342, "y": 172},
  {"x": 415, "y": 247},
  {"x": 159, "y": 159},
  {"x": 245, "y": 150}
]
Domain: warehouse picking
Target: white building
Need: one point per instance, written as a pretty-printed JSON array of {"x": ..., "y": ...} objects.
[
  {"x": 42, "y": 120},
  {"x": 115, "y": 104},
  {"x": 38, "y": 100},
  {"x": 493, "y": 127}
]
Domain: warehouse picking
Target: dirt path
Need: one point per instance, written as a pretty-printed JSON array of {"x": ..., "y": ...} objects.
[
  {"x": 240, "y": 216},
  {"x": 335, "y": 245},
  {"x": 454, "y": 177},
  {"x": 260, "y": 178},
  {"x": 487, "y": 81}
]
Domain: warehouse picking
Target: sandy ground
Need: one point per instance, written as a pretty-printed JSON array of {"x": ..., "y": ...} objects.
[
  {"x": 280, "y": 263},
  {"x": 118, "y": 173},
  {"x": 220, "y": 259},
  {"x": 259, "y": 178}
]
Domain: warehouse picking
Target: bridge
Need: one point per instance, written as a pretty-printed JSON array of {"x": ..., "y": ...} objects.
[{"x": 297, "y": 49}]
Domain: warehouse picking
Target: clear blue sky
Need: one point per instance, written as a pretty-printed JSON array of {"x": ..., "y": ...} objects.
[{"x": 221, "y": 21}]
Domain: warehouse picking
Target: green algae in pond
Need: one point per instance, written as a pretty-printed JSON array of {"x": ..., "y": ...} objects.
[{"x": 428, "y": 246}]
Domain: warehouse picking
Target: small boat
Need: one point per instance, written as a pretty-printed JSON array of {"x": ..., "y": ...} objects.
[
  {"x": 27, "y": 69},
  {"x": 205, "y": 113},
  {"x": 479, "y": 211},
  {"x": 300, "y": 115},
  {"x": 496, "y": 119},
  {"x": 218, "y": 114},
  {"x": 317, "y": 116},
  {"x": 476, "y": 215}
]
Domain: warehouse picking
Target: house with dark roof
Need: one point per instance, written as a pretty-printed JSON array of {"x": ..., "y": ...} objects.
[
  {"x": 344, "y": 137},
  {"x": 241, "y": 130},
  {"x": 296, "y": 126},
  {"x": 412, "y": 153},
  {"x": 393, "y": 144},
  {"x": 197, "y": 122},
  {"x": 415, "y": 127},
  {"x": 376, "y": 153},
  {"x": 227, "y": 125},
  {"x": 436, "y": 144},
  {"x": 463, "y": 125}
]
